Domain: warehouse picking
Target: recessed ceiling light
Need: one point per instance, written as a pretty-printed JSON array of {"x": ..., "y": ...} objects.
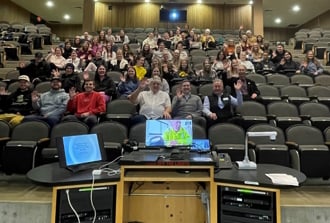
[
  {"x": 146, "y": 1},
  {"x": 66, "y": 17},
  {"x": 49, "y": 4},
  {"x": 96, "y": 0},
  {"x": 199, "y": 1},
  {"x": 251, "y": 2},
  {"x": 296, "y": 8},
  {"x": 278, "y": 20}
]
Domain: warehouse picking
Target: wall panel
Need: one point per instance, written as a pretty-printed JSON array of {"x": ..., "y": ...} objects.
[{"x": 12, "y": 13}]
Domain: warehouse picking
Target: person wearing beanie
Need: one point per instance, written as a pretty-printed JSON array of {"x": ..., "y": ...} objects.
[{"x": 70, "y": 78}]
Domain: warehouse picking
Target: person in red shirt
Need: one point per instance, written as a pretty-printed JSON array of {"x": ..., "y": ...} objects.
[{"x": 85, "y": 106}]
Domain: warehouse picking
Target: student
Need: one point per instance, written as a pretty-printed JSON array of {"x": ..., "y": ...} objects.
[{"x": 85, "y": 106}]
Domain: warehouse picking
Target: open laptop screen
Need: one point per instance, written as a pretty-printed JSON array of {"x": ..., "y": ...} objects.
[
  {"x": 200, "y": 145},
  {"x": 168, "y": 133},
  {"x": 78, "y": 150}
]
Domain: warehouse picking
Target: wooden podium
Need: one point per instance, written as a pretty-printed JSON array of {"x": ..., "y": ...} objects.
[{"x": 166, "y": 194}]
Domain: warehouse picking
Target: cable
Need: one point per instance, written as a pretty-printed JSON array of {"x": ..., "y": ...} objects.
[
  {"x": 91, "y": 198},
  {"x": 104, "y": 165},
  {"x": 72, "y": 208}
]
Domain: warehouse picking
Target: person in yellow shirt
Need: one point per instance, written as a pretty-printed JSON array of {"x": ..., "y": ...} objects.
[
  {"x": 177, "y": 135},
  {"x": 139, "y": 67}
]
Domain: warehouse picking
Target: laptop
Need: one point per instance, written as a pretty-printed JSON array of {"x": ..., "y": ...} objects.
[
  {"x": 80, "y": 152},
  {"x": 201, "y": 146}
]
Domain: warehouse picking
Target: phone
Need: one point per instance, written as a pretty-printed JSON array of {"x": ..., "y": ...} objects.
[{"x": 222, "y": 160}]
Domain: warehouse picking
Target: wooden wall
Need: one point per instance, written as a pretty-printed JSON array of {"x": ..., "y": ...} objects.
[
  {"x": 321, "y": 21},
  {"x": 147, "y": 15},
  {"x": 12, "y": 13}
]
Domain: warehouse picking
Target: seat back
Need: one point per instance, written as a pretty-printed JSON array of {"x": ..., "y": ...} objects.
[
  {"x": 251, "y": 108},
  {"x": 322, "y": 79},
  {"x": 257, "y": 78},
  {"x": 113, "y": 134},
  {"x": 304, "y": 135},
  {"x": 282, "y": 109},
  {"x": 43, "y": 87},
  {"x": 111, "y": 131},
  {"x": 138, "y": 133},
  {"x": 121, "y": 107},
  {"x": 5, "y": 129},
  {"x": 199, "y": 132},
  {"x": 278, "y": 80},
  {"x": 293, "y": 91},
  {"x": 30, "y": 131},
  {"x": 301, "y": 79},
  {"x": 226, "y": 133},
  {"x": 314, "y": 109},
  {"x": 205, "y": 90},
  {"x": 65, "y": 129},
  {"x": 228, "y": 138},
  {"x": 318, "y": 91}
]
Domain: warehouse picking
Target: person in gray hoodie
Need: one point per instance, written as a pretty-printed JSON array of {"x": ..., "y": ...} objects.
[{"x": 51, "y": 105}]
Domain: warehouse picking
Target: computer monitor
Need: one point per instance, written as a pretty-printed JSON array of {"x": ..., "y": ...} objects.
[
  {"x": 200, "y": 145},
  {"x": 77, "y": 151},
  {"x": 168, "y": 133}
]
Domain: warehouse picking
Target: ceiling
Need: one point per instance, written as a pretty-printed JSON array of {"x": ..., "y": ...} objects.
[{"x": 272, "y": 9}]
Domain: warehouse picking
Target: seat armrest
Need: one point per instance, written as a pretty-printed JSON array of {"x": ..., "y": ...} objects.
[
  {"x": 4, "y": 139},
  {"x": 295, "y": 159},
  {"x": 251, "y": 144},
  {"x": 271, "y": 117},
  {"x": 327, "y": 143},
  {"x": 43, "y": 142},
  {"x": 313, "y": 98},
  {"x": 285, "y": 97},
  {"x": 292, "y": 145},
  {"x": 305, "y": 117}
]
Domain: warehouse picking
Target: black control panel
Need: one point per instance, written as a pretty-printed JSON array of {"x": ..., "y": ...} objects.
[
  {"x": 103, "y": 200},
  {"x": 246, "y": 205}
]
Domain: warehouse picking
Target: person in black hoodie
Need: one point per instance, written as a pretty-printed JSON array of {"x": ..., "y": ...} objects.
[
  {"x": 287, "y": 65},
  {"x": 19, "y": 103},
  {"x": 70, "y": 79},
  {"x": 37, "y": 70}
]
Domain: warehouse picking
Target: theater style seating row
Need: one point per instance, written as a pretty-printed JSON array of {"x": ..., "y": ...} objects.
[{"x": 300, "y": 146}]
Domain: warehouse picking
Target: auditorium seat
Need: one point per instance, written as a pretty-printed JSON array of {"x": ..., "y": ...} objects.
[
  {"x": 113, "y": 135},
  {"x": 318, "y": 114},
  {"x": 268, "y": 150},
  {"x": 49, "y": 153},
  {"x": 22, "y": 152},
  {"x": 314, "y": 155},
  {"x": 228, "y": 138},
  {"x": 252, "y": 112}
]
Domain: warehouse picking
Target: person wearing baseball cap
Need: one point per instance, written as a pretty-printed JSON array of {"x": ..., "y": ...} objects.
[
  {"x": 51, "y": 105},
  {"x": 19, "y": 103},
  {"x": 37, "y": 70}
]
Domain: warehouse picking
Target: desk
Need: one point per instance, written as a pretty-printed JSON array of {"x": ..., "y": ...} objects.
[
  {"x": 161, "y": 187},
  {"x": 53, "y": 175}
]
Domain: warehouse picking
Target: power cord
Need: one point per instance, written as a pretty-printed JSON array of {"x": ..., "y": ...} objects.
[
  {"x": 91, "y": 197},
  {"x": 67, "y": 191}
]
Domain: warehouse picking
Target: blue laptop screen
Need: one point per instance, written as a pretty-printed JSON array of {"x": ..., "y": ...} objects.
[
  {"x": 200, "y": 145},
  {"x": 168, "y": 133},
  {"x": 80, "y": 149}
]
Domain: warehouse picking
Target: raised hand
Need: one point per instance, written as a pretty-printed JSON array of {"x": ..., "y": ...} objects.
[
  {"x": 238, "y": 85},
  {"x": 179, "y": 93}
]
